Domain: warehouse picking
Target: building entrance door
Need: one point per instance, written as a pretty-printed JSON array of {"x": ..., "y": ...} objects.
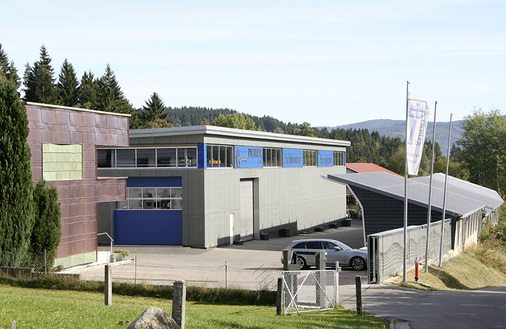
[{"x": 246, "y": 216}]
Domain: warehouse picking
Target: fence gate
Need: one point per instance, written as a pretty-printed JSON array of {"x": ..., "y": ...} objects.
[{"x": 307, "y": 291}]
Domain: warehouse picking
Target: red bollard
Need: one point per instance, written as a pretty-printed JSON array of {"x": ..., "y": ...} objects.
[{"x": 417, "y": 265}]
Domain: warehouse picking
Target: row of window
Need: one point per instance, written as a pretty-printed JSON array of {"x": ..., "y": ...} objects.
[
  {"x": 217, "y": 156},
  {"x": 171, "y": 157},
  {"x": 220, "y": 156},
  {"x": 163, "y": 198}
]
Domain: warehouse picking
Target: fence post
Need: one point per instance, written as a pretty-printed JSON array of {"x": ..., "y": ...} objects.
[
  {"x": 320, "y": 276},
  {"x": 338, "y": 270},
  {"x": 179, "y": 303},
  {"x": 226, "y": 275},
  {"x": 108, "y": 284},
  {"x": 358, "y": 289},
  {"x": 45, "y": 262},
  {"x": 135, "y": 270},
  {"x": 280, "y": 298}
]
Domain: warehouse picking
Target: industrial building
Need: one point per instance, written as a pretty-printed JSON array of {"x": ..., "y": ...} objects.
[{"x": 206, "y": 186}]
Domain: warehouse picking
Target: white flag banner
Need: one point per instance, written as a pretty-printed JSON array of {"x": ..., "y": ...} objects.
[{"x": 418, "y": 114}]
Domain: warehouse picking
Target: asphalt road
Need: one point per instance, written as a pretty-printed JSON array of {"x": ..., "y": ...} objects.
[{"x": 433, "y": 309}]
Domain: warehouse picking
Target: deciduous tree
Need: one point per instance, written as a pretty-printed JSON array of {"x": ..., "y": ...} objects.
[
  {"x": 484, "y": 149},
  {"x": 235, "y": 120}
]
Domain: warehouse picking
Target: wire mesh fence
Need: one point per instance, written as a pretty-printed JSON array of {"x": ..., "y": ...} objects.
[
  {"x": 35, "y": 262},
  {"x": 139, "y": 271},
  {"x": 306, "y": 291}
]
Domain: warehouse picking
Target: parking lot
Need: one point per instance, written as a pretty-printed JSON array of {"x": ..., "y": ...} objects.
[{"x": 253, "y": 265}]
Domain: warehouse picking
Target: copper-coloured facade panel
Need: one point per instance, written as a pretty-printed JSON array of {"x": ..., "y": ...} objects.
[{"x": 51, "y": 124}]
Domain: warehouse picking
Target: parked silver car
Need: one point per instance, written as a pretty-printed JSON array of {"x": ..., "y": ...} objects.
[{"x": 336, "y": 251}]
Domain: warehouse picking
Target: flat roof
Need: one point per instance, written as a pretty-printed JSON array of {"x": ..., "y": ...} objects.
[
  {"x": 76, "y": 109},
  {"x": 232, "y": 132},
  {"x": 418, "y": 191}
]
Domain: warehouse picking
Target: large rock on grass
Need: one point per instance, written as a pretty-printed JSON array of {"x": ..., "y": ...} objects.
[{"x": 154, "y": 318}]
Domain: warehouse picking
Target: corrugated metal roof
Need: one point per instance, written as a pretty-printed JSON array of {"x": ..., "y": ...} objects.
[
  {"x": 368, "y": 167},
  {"x": 418, "y": 191},
  {"x": 470, "y": 190}
]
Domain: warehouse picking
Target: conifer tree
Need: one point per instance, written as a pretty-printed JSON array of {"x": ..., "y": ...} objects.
[
  {"x": 88, "y": 91},
  {"x": 39, "y": 80},
  {"x": 46, "y": 233},
  {"x": 110, "y": 98},
  {"x": 68, "y": 85},
  {"x": 16, "y": 184},
  {"x": 7, "y": 68},
  {"x": 153, "y": 110}
]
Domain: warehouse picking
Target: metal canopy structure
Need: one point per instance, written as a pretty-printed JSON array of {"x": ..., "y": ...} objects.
[
  {"x": 381, "y": 196},
  {"x": 472, "y": 191},
  {"x": 462, "y": 199}
]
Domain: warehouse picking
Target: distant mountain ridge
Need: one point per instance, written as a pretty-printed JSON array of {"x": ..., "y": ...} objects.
[{"x": 397, "y": 128}]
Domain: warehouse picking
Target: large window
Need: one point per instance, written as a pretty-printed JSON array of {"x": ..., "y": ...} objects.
[
  {"x": 220, "y": 156},
  {"x": 148, "y": 157},
  {"x": 339, "y": 158},
  {"x": 125, "y": 158},
  {"x": 145, "y": 198},
  {"x": 272, "y": 157},
  {"x": 310, "y": 158}
]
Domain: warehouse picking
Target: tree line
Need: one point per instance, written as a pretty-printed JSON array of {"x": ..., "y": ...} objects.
[{"x": 479, "y": 156}]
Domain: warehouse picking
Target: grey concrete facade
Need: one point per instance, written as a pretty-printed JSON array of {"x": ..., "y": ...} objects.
[{"x": 285, "y": 200}]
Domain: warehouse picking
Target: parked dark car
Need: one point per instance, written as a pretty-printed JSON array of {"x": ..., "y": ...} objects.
[{"x": 336, "y": 251}]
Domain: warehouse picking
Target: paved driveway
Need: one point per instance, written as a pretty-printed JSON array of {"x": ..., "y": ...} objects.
[
  {"x": 433, "y": 309},
  {"x": 423, "y": 309},
  {"x": 241, "y": 265}
]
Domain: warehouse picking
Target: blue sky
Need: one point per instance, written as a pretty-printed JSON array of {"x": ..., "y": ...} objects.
[{"x": 323, "y": 62}]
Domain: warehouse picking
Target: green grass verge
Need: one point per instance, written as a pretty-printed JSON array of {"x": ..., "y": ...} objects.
[
  {"x": 43, "y": 308},
  {"x": 197, "y": 294}
]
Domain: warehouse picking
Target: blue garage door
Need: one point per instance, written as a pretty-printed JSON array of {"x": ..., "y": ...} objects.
[
  {"x": 152, "y": 213},
  {"x": 148, "y": 227}
]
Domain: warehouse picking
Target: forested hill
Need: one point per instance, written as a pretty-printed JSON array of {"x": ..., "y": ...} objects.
[
  {"x": 397, "y": 128},
  {"x": 192, "y": 116},
  {"x": 366, "y": 146}
]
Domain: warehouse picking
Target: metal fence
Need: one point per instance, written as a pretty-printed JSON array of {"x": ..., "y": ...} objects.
[
  {"x": 39, "y": 263},
  {"x": 306, "y": 291},
  {"x": 385, "y": 249},
  {"x": 139, "y": 271}
]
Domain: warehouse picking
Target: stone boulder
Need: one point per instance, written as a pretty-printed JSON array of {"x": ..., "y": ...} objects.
[{"x": 154, "y": 318}]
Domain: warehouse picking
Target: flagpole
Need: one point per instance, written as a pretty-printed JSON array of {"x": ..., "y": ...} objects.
[
  {"x": 430, "y": 192},
  {"x": 444, "y": 195},
  {"x": 404, "y": 253}
]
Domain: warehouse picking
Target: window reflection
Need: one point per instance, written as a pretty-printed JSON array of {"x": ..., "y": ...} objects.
[{"x": 165, "y": 198}]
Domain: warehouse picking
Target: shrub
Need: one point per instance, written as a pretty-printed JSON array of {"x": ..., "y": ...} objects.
[{"x": 46, "y": 232}]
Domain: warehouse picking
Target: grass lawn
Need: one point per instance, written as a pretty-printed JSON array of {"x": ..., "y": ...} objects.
[
  {"x": 39, "y": 308},
  {"x": 478, "y": 269}
]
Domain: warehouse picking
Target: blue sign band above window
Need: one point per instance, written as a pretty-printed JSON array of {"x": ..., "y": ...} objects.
[
  {"x": 292, "y": 158},
  {"x": 325, "y": 158},
  {"x": 248, "y": 157}
]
